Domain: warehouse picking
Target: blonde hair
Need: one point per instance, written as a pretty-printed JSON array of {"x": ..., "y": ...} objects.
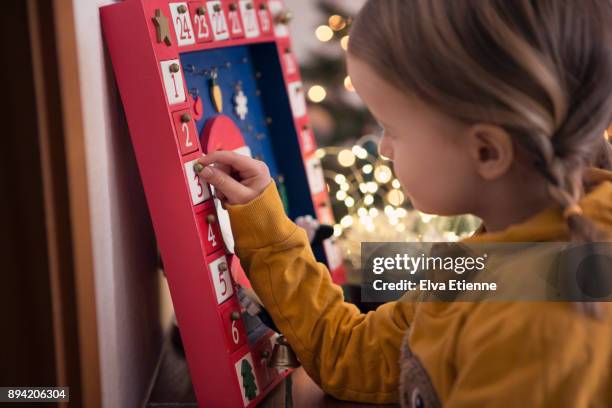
[{"x": 541, "y": 69}]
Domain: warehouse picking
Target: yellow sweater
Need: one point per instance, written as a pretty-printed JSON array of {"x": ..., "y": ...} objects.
[{"x": 459, "y": 354}]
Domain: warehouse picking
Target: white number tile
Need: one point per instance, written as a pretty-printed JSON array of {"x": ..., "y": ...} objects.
[
  {"x": 249, "y": 18},
  {"x": 182, "y": 24},
  {"x": 218, "y": 20},
  {"x": 334, "y": 259},
  {"x": 222, "y": 280},
  {"x": 314, "y": 171},
  {"x": 173, "y": 82},
  {"x": 242, "y": 371},
  {"x": 297, "y": 99},
  {"x": 197, "y": 188},
  {"x": 276, "y": 7}
]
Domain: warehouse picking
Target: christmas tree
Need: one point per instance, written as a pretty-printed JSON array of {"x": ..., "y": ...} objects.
[
  {"x": 248, "y": 380},
  {"x": 337, "y": 114}
]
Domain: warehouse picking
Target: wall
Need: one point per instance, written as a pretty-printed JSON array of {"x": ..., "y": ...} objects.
[{"x": 127, "y": 283}]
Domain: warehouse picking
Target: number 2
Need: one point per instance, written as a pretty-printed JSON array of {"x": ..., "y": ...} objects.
[{"x": 185, "y": 129}]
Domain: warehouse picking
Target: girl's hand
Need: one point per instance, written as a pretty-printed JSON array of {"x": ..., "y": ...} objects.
[{"x": 237, "y": 179}]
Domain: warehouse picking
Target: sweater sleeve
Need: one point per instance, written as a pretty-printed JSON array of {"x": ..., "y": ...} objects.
[{"x": 352, "y": 356}]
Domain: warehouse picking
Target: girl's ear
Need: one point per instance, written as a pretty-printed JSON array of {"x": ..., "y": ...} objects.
[{"x": 491, "y": 149}]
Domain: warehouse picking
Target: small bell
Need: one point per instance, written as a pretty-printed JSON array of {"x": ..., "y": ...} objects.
[{"x": 282, "y": 355}]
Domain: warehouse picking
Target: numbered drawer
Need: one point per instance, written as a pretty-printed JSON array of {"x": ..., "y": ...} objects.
[
  {"x": 234, "y": 19},
  {"x": 181, "y": 20},
  {"x": 233, "y": 325},
  {"x": 248, "y": 12},
  {"x": 200, "y": 21},
  {"x": 210, "y": 232},
  {"x": 297, "y": 99},
  {"x": 281, "y": 18},
  {"x": 307, "y": 140},
  {"x": 221, "y": 277},
  {"x": 197, "y": 188},
  {"x": 218, "y": 20},
  {"x": 314, "y": 171},
  {"x": 290, "y": 65},
  {"x": 264, "y": 17},
  {"x": 186, "y": 132},
  {"x": 246, "y": 373},
  {"x": 174, "y": 85}
]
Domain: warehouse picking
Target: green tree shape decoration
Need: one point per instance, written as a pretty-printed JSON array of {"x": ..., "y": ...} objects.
[{"x": 248, "y": 380}]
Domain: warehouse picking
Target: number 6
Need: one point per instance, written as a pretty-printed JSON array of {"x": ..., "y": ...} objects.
[{"x": 235, "y": 333}]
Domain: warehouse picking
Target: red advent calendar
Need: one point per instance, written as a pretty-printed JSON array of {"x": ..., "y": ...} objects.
[{"x": 196, "y": 77}]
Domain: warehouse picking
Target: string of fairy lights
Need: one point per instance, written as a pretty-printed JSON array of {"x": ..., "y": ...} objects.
[{"x": 325, "y": 33}]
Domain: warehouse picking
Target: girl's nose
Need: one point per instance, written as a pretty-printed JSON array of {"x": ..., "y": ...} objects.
[{"x": 385, "y": 148}]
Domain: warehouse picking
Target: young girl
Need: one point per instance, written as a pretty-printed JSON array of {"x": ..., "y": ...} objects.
[{"x": 495, "y": 108}]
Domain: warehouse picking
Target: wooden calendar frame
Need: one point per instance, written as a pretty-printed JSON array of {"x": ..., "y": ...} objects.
[{"x": 145, "y": 39}]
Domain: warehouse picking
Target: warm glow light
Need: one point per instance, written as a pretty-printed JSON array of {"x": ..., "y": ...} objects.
[
  {"x": 320, "y": 153},
  {"x": 400, "y": 227},
  {"x": 348, "y": 84},
  {"x": 372, "y": 187},
  {"x": 340, "y": 179},
  {"x": 345, "y": 187},
  {"x": 426, "y": 217},
  {"x": 373, "y": 212},
  {"x": 344, "y": 42},
  {"x": 346, "y": 221},
  {"x": 317, "y": 93},
  {"x": 383, "y": 174},
  {"x": 337, "y": 230},
  {"x": 349, "y": 202},
  {"x": 607, "y": 135},
  {"x": 360, "y": 152},
  {"x": 363, "y": 187},
  {"x": 368, "y": 199},
  {"x": 365, "y": 220},
  {"x": 346, "y": 158},
  {"x": 362, "y": 212},
  {"x": 324, "y": 33},
  {"x": 367, "y": 169},
  {"x": 396, "y": 184},
  {"x": 395, "y": 197},
  {"x": 337, "y": 22},
  {"x": 341, "y": 195}
]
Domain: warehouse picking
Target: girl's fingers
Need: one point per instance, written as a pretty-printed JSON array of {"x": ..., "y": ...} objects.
[
  {"x": 231, "y": 189},
  {"x": 220, "y": 195},
  {"x": 233, "y": 160}
]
